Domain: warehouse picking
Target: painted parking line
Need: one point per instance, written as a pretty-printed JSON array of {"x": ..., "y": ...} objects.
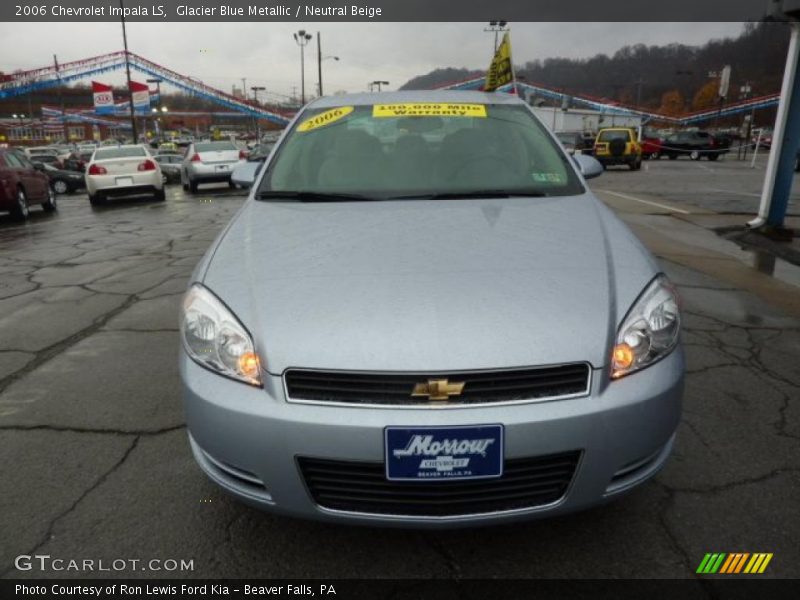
[{"x": 651, "y": 203}]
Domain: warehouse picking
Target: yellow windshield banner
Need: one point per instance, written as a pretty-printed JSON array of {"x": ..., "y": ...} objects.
[
  {"x": 441, "y": 109},
  {"x": 500, "y": 71},
  {"x": 325, "y": 118}
]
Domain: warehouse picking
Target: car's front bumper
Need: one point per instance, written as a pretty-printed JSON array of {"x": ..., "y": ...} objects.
[{"x": 248, "y": 439}]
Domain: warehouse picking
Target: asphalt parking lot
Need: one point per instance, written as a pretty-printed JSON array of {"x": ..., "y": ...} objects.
[{"x": 96, "y": 462}]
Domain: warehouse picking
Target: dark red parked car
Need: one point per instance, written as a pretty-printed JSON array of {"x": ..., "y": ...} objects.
[{"x": 22, "y": 184}]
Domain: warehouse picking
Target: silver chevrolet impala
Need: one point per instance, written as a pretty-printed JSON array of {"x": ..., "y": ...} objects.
[{"x": 422, "y": 316}]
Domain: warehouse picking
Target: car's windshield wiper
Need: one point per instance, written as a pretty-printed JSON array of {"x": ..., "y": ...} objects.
[
  {"x": 308, "y": 196},
  {"x": 473, "y": 194}
]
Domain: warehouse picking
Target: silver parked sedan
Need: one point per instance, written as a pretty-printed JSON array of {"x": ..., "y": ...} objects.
[
  {"x": 421, "y": 316},
  {"x": 209, "y": 162}
]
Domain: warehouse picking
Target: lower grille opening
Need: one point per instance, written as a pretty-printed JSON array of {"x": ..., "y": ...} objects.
[
  {"x": 633, "y": 471},
  {"x": 362, "y": 487},
  {"x": 228, "y": 475}
]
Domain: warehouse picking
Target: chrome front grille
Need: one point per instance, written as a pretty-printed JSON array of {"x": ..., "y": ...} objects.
[{"x": 396, "y": 389}]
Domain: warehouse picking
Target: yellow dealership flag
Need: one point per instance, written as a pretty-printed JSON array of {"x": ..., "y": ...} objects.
[{"x": 501, "y": 71}]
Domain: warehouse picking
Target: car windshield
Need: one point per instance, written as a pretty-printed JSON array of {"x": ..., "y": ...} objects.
[
  {"x": 412, "y": 150},
  {"x": 104, "y": 153},
  {"x": 214, "y": 146},
  {"x": 613, "y": 134}
]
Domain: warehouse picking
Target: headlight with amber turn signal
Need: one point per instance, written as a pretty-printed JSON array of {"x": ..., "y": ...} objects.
[
  {"x": 649, "y": 331},
  {"x": 214, "y": 338}
]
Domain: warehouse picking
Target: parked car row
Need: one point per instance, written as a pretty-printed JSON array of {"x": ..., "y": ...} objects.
[
  {"x": 651, "y": 145},
  {"x": 23, "y": 185}
]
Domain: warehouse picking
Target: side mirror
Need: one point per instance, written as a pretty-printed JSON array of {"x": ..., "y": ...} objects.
[{"x": 589, "y": 166}]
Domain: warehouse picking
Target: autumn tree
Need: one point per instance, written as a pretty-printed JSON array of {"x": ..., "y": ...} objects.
[
  {"x": 706, "y": 96},
  {"x": 672, "y": 103}
]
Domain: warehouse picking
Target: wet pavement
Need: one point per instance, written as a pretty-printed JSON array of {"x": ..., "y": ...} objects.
[{"x": 97, "y": 464}]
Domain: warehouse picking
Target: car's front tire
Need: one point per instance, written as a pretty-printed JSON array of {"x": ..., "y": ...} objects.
[
  {"x": 50, "y": 204},
  {"x": 21, "y": 210}
]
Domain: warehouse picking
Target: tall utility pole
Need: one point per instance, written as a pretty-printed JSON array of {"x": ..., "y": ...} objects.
[
  {"x": 257, "y": 89},
  {"x": 319, "y": 63},
  {"x": 128, "y": 74},
  {"x": 302, "y": 38},
  {"x": 321, "y": 58},
  {"x": 496, "y": 27},
  {"x": 158, "y": 89},
  {"x": 60, "y": 101}
]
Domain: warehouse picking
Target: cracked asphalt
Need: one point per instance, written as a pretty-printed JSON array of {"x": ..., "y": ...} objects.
[{"x": 96, "y": 463}]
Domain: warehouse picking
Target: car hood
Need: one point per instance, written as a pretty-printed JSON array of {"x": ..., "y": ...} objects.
[{"x": 429, "y": 285}]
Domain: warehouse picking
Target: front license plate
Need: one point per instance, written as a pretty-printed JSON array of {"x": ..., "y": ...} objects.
[
  {"x": 124, "y": 180},
  {"x": 437, "y": 453}
]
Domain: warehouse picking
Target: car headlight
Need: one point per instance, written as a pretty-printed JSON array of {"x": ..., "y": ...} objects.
[
  {"x": 215, "y": 339},
  {"x": 649, "y": 331}
]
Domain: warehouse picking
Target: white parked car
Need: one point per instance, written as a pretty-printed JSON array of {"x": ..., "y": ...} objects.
[
  {"x": 123, "y": 171},
  {"x": 36, "y": 152},
  {"x": 209, "y": 162}
]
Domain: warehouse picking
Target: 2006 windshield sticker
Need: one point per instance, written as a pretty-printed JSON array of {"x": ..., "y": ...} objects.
[
  {"x": 429, "y": 110},
  {"x": 325, "y": 118}
]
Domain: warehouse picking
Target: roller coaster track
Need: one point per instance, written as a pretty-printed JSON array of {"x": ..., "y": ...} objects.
[
  {"x": 524, "y": 89},
  {"x": 23, "y": 82}
]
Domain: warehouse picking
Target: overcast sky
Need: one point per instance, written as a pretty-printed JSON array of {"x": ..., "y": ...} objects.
[{"x": 221, "y": 54}]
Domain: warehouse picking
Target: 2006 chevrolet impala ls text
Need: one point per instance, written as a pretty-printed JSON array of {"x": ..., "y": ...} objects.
[{"x": 421, "y": 316}]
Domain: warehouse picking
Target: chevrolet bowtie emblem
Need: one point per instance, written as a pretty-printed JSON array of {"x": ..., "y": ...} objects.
[{"x": 438, "y": 389}]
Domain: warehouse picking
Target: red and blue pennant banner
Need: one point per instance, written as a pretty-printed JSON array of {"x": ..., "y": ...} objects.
[
  {"x": 141, "y": 96},
  {"x": 103, "y": 98}
]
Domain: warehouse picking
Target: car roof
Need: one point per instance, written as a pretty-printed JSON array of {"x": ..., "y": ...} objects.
[{"x": 470, "y": 97}]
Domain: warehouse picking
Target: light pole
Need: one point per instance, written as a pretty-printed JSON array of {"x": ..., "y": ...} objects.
[
  {"x": 155, "y": 112},
  {"x": 744, "y": 94},
  {"x": 302, "y": 38},
  {"x": 255, "y": 90},
  {"x": 320, "y": 58},
  {"x": 377, "y": 83},
  {"x": 496, "y": 27},
  {"x": 158, "y": 88},
  {"x": 21, "y": 118},
  {"x": 128, "y": 73}
]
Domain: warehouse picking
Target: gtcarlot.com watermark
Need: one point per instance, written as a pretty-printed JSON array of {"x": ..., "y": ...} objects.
[{"x": 45, "y": 562}]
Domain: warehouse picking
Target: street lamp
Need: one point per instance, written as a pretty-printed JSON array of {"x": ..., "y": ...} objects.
[
  {"x": 127, "y": 73},
  {"x": 320, "y": 58},
  {"x": 255, "y": 90},
  {"x": 496, "y": 27},
  {"x": 21, "y": 118},
  {"x": 377, "y": 83},
  {"x": 302, "y": 38},
  {"x": 158, "y": 88}
]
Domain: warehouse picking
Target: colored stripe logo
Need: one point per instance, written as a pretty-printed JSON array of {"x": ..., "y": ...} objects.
[{"x": 734, "y": 563}]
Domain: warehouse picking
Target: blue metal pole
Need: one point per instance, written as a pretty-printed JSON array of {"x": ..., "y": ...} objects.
[
  {"x": 784, "y": 175},
  {"x": 786, "y": 162}
]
